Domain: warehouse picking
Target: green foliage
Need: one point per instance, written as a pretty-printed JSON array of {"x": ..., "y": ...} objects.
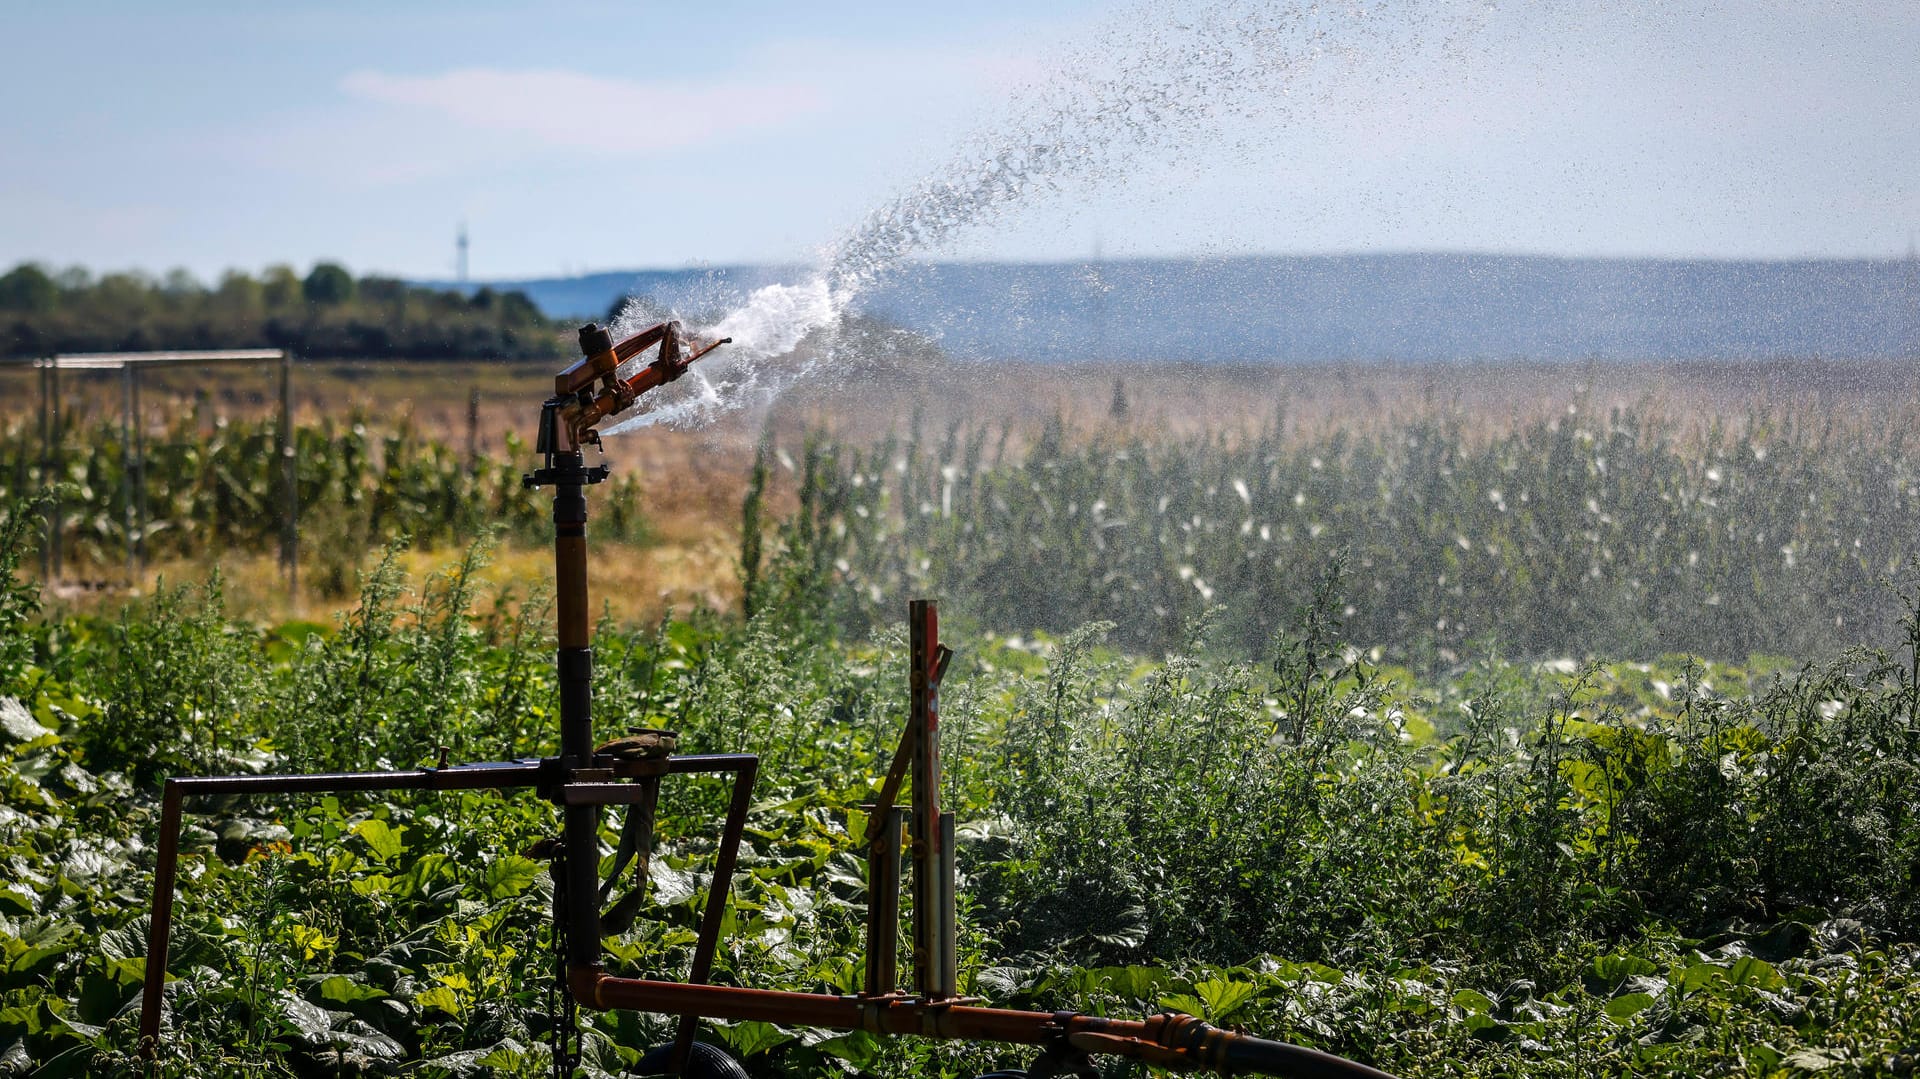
[
  {"x": 1671, "y": 867},
  {"x": 327, "y": 313},
  {"x": 26, "y": 289},
  {"x": 1601, "y": 535},
  {"x": 20, "y": 526},
  {"x": 327, "y": 285},
  {"x": 177, "y": 688},
  {"x": 751, "y": 540},
  {"x": 211, "y": 491}
]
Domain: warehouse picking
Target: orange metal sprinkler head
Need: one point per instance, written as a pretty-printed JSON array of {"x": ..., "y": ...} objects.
[{"x": 600, "y": 364}]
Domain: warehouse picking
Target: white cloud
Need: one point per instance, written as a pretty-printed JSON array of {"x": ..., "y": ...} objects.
[{"x": 570, "y": 110}]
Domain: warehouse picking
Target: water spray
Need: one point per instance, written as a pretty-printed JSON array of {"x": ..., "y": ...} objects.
[
  {"x": 627, "y": 771},
  {"x": 1146, "y": 85}
]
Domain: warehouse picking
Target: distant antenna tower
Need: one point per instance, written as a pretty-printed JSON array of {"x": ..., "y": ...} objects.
[{"x": 460, "y": 255}]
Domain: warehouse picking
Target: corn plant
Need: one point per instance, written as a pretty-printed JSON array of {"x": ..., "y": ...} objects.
[{"x": 1600, "y": 535}]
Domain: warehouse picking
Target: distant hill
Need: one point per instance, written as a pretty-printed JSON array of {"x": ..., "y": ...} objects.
[{"x": 1405, "y": 307}]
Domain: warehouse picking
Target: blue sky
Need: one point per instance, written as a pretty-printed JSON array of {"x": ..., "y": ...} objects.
[{"x": 574, "y": 137}]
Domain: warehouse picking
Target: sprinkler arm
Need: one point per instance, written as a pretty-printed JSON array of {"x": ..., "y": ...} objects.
[{"x": 600, "y": 364}]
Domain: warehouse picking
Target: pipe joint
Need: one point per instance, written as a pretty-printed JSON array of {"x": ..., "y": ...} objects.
[
  {"x": 583, "y": 981},
  {"x": 574, "y": 664},
  {"x": 569, "y": 505}
]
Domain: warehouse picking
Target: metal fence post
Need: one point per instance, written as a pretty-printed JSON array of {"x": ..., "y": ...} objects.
[
  {"x": 290, "y": 492},
  {"x": 139, "y": 537},
  {"x": 126, "y": 461},
  {"x": 41, "y": 368},
  {"x": 55, "y": 466}
]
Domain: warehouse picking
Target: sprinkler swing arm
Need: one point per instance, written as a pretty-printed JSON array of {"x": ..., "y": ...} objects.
[
  {"x": 582, "y": 404},
  {"x": 627, "y": 771}
]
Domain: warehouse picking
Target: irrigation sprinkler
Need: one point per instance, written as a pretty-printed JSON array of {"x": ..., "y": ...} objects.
[{"x": 627, "y": 771}]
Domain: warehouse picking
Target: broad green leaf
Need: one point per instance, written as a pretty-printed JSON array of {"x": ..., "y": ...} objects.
[
  {"x": 1699, "y": 975},
  {"x": 377, "y": 884},
  {"x": 1486, "y": 1027},
  {"x": 1473, "y": 1002},
  {"x": 670, "y": 886},
  {"x": 17, "y": 724},
  {"x": 364, "y": 1040},
  {"x": 1137, "y": 982},
  {"x": 311, "y": 942},
  {"x": 127, "y": 971},
  {"x": 507, "y": 1057},
  {"x": 509, "y": 876},
  {"x": 1127, "y": 930},
  {"x": 1320, "y": 972},
  {"x": 381, "y": 838},
  {"x": 1000, "y": 982},
  {"x": 340, "y": 989},
  {"x": 748, "y": 1038},
  {"x": 1757, "y": 973},
  {"x": 1617, "y": 968},
  {"x": 462, "y": 1064},
  {"x": 77, "y": 1062},
  {"x": 1223, "y": 998},
  {"x": 44, "y": 942},
  {"x": 311, "y": 1021},
  {"x": 1186, "y": 1003},
  {"x": 1628, "y": 1005},
  {"x": 127, "y": 942},
  {"x": 856, "y": 1047},
  {"x": 419, "y": 876},
  {"x": 439, "y": 997}
]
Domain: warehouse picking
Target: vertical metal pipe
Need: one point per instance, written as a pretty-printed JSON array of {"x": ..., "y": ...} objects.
[
  {"x": 289, "y": 492},
  {"x": 574, "y": 662},
  {"x": 160, "y": 921},
  {"x": 46, "y": 462},
  {"x": 126, "y": 460},
  {"x": 139, "y": 471},
  {"x": 944, "y": 908},
  {"x": 56, "y": 523},
  {"x": 923, "y": 630},
  {"x": 883, "y": 902}
]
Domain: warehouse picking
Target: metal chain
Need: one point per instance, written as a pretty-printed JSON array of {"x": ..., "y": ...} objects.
[{"x": 563, "y": 1014}]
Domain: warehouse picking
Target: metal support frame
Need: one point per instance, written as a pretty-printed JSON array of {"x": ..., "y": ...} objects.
[
  {"x": 160, "y": 927},
  {"x": 883, "y": 901},
  {"x": 581, "y": 779},
  {"x": 130, "y": 365}
]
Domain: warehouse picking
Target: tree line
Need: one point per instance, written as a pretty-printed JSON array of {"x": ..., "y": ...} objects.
[{"x": 326, "y": 313}]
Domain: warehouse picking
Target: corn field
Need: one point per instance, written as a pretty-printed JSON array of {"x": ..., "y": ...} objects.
[
  {"x": 1615, "y": 534},
  {"x": 218, "y": 487}
]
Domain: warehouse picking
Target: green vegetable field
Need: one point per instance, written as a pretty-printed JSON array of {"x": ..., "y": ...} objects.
[{"x": 1277, "y": 732}]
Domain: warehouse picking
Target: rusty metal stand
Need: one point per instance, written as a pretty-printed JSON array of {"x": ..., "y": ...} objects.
[{"x": 935, "y": 972}]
